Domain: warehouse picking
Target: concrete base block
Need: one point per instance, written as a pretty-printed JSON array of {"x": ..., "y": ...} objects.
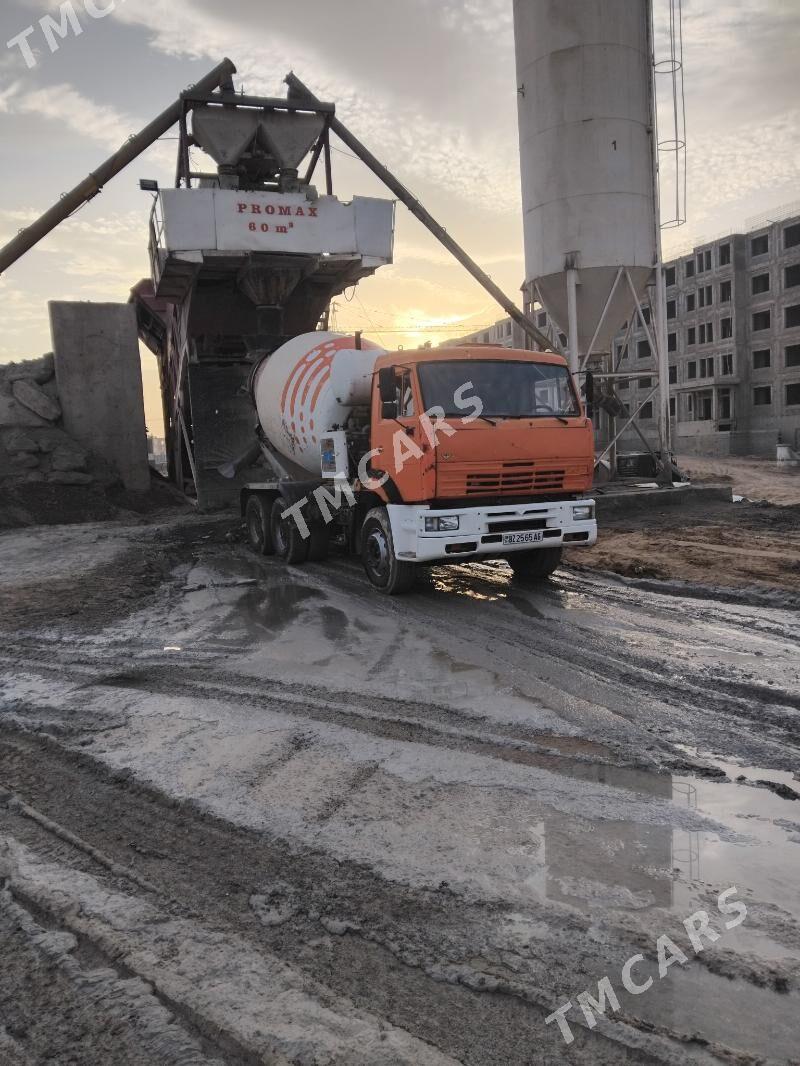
[{"x": 100, "y": 385}]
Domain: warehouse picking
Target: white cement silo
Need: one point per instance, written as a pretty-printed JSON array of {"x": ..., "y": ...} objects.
[{"x": 584, "y": 71}]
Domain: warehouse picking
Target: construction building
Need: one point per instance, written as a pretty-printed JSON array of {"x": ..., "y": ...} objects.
[{"x": 733, "y": 308}]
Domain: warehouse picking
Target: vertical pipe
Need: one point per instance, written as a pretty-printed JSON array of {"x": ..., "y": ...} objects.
[
  {"x": 572, "y": 312},
  {"x": 660, "y": 309},
  {"x": 328, "y": 162},
  {"x": 664, "y": 427}
]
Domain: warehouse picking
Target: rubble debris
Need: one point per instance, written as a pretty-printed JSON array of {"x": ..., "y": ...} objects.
[
  {"x": 39, "y": 370},
  {"x": 32, "y": 396},
  {"x": 19, "y": 441},
  {"x": 33, "y": 448}
]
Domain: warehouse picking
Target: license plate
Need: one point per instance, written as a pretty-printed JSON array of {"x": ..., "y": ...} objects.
[{"x": 513, "y": 540}]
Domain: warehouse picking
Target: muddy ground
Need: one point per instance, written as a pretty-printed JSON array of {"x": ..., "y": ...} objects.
[
  {"x": 748, "y": 546},
  {"x": 251, "y": 814}
]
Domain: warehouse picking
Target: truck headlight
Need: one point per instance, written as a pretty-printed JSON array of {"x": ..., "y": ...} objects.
[
  {"x": 584, "y": 513},
  {"x": 442, "y": 525}
]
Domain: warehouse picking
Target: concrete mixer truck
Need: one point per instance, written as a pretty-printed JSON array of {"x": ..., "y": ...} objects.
[{"x": 416, "y": 457}]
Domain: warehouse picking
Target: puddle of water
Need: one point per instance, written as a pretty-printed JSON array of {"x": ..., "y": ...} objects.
[
  {"x": 733, "y": 1013},
  {"x": 597, "y": 865},
  {"x": 275, "y": 608},
  {"x": 736, "y": 769}
]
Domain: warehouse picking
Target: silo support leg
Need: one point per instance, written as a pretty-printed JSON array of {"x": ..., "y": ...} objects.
[{"x": 572, "y": 314}]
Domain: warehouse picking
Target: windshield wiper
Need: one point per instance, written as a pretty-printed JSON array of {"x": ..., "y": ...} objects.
[
  {"x": 487, "y": 419},
  {"x": 533, "y": 418}
]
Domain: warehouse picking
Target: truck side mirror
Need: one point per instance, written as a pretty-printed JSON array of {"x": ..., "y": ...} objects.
[
  {"x": 387, "y": 388},
  {"x": 386, "y": 384}
]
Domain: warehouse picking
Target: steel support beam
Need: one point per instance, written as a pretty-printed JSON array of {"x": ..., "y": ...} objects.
[{"x": 301, "y": 91}]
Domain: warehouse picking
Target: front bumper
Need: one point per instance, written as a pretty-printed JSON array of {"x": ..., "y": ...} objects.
[{"x": 481, "y": 529}]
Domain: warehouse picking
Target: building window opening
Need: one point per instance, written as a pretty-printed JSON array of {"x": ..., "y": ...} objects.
[
  {"x": 760, "y": 283},
  {"x": 759, "y": 245}
]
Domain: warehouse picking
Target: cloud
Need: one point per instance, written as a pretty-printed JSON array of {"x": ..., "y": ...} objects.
[
  {"x": 65, "y": 105},
  {"x": 7, "y": 96},
  {"x": 93, "y": 122}
]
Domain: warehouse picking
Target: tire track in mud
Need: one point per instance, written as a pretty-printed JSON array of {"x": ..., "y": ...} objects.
[
  {"x": 416, "y": 957},
  {"x": 609, "y": 662},
  {"x": 564, "y": 656},
  {"x": 403, "y": 720},
  {"x": 108, "y": 1016}
]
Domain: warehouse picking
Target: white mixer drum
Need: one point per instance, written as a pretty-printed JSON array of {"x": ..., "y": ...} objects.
[{"x": 308, "y": 386}]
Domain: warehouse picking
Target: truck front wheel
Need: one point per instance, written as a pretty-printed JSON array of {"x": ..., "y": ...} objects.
[
  {"x": 257, "y": 521},
  {"x": 383, "y": 568},
  {"x": 286, "y": 538},
  {"x": 535, "y": 565}
]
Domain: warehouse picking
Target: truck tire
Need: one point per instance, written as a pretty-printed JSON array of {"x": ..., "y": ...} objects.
[
  {"x": 257, "y": 520},
  {"x": 535, "y": 565},
  {"x": 286, "y": 538},
  {"x": 383, "y": 568}
]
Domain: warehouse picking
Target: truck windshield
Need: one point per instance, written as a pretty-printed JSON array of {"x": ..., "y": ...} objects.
[{"x": 506, "y": 389}]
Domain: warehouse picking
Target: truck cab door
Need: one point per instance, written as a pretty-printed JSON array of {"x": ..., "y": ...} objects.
[{"x": 405, "y": 453}]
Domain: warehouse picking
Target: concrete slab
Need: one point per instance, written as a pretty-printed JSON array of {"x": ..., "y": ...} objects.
[
  {"x": 100, "y": 384},
  {"x": 617, "y": 500}
]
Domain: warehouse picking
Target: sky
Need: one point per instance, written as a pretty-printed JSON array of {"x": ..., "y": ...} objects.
[{"x": 428, "y": 85}]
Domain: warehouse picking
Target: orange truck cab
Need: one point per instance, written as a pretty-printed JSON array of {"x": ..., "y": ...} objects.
[{"x": 477, "y": 451}]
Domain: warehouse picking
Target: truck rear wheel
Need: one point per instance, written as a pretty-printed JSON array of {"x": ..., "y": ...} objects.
[
  {"x": 383, "y": 568},
  {"x": 257, "y": 520},
  {"x": 286, "y": 538},
  {"x": 535, "y": 565}
]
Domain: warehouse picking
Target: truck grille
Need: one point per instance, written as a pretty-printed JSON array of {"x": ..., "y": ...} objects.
[{"x": 459, "y": 480}]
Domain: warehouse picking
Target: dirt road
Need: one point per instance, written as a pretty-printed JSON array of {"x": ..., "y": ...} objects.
[{"x": 251, "y": 814}]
